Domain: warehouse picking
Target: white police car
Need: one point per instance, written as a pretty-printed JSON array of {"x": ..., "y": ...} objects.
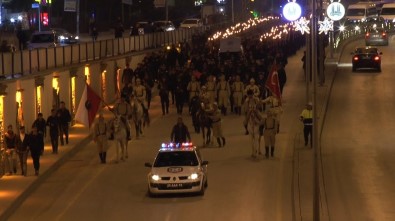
[{"x": 177, "y": 168}]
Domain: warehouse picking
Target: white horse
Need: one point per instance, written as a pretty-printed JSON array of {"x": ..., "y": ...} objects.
[
  {"x": 119, "y": 131},
  {"x": 254, "y": 121},
  {"x": 137, "y": 116}
]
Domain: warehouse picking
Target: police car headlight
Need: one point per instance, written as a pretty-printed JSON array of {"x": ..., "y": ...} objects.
[
  {"x": 155, "y": 177},
  {"x": 194, "y": 176}
]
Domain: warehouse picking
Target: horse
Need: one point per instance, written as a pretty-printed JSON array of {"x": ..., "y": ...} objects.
[
  {"x": 200, "y": 120},
  {"x": 254, "y": 121},
  {"x": 119, "y": 131},
  {"x": 139, "y": 118}
]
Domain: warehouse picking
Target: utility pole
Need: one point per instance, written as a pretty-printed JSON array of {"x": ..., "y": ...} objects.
[
  {"x": 167, "y": 9},
  {"x": 78, "y": 18},
  {"x": 316, "y": 187}
]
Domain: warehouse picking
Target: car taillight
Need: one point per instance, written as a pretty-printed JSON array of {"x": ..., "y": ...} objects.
[
  {"x": 384, "y": 35},
  {"x": 355, "y": 58},
  {"x": 377, "y": 58},
  {"x": 367, "y": 35}
]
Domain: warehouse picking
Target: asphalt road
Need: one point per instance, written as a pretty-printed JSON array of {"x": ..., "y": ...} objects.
[
  {"x": 358, "y": 142},
  {"x": 239, "y": 188}
]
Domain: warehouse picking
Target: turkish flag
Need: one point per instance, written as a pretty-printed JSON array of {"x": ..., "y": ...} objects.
[
  {"x": 272, "y": 82},
  {"x": 88, "y": 106}
]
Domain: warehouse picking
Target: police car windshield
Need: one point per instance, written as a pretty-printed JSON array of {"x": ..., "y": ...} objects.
[{"x": 176, "y": 158}]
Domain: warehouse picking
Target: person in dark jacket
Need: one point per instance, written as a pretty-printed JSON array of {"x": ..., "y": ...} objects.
[
  {"x": 36, "y": 146},
  {"x": 41, "y": 125},
  {"x": 64, "y": 120},
  {"x": 53, "y": 124},
  {"x": 164, "y": 95},
  {"x": 127, "y": 75},
  {"x": 180, "y": 132},
  {"x": 180, "y": 96},
  {"x": 22, "y": 149},
  {"x": 10, "y": 150},
  {"x": 282, "y": 77}
]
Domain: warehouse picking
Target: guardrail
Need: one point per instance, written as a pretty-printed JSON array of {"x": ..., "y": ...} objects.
[{"x": 36, "y": 60}]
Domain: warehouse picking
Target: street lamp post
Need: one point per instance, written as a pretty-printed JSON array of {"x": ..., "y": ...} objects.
[{"x": 316, "y": 190}]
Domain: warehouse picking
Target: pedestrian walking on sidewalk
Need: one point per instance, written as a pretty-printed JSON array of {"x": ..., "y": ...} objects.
[
  {"x": 36, "y": 146},
  {"x": 64, "y": 120},
  {"x": 307, "y": 118},
  {"x": 54, "y": 125},
  {"x": 10, "y": 150},
  {"x": 22, "y": 149},
  {"x": 100, "y": 137},
  {"x": 41, "y": 125}
]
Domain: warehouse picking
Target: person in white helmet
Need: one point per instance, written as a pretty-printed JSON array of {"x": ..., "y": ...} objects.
[
  {"x": 211, "y": 89},
  {"x": 215, "y": 116},
  {"x": 223, "y": 91},
  {"x": 252, "y": 86},
  {"x": 140, "y": 94},
  {"x": 251, "y": 103},
  {"x": 238, "y": 91}
]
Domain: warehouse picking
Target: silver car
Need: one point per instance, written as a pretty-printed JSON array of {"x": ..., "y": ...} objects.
[
  {"x": 43, "y": 39},
  {"x": 376, "y": 36}
]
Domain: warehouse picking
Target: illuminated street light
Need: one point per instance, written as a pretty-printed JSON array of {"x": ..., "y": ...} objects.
[{"x": 292, "y": 11}]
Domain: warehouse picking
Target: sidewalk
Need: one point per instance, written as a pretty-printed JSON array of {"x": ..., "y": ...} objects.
[{"x": 16, "y": 188}]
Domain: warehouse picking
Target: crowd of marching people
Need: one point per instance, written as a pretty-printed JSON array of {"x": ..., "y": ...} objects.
[{"x": 228, "y": 84}]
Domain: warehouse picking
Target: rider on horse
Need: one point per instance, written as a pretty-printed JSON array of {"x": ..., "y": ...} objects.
[
  {"x": 250, "y": 104},
  {"x": 123, "y": 109},
  {"x": 140, "y": 94}
]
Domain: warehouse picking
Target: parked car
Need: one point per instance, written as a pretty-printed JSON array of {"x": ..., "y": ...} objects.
[
  {"x": 141, "y": 28},
  {"x": 43, "y": 39},
  {"x": 376, "y": 36},
  {"x": 191, "y": 23},
  {"x": 65, "y": 37},
  {"x": 164, "y": 26},
  {"x": 368, "y": 57},
  {"x": 177, "y": 168}
]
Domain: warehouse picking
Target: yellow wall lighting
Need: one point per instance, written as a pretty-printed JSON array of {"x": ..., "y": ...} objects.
[
  {"x": 118, "y": 82},
  {"x": 55, "y": 84},
  {"x": 38, "y": 99},
  {"x": 103, "y": 85},
  {"x": 1, "y": 118},
  {"x": 72, "y": 84},
  {"x": 18, "y": 98},
  {"x": 87, "y": 75}
]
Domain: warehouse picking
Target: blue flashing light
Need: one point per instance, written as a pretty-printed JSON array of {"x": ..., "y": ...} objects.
[{"x": 175, "y": 145}]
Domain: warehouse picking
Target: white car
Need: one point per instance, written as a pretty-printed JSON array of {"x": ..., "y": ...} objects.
[
  {"x": 191, "y": 23},
  {"x": 43, "y": 39},
  {"x": 162, "y": 26},
  {"x": 177, "y": 168}
]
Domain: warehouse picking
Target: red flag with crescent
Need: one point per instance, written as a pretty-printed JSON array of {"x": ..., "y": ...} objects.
[
  {"x": 272, "y": 82},
  {"x": 88, "y": 106}
]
